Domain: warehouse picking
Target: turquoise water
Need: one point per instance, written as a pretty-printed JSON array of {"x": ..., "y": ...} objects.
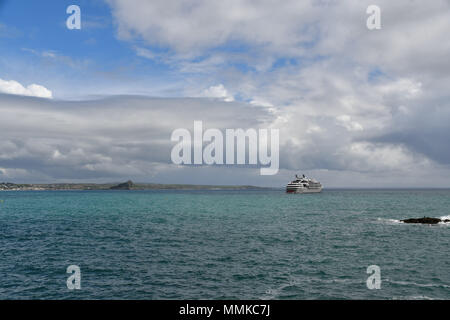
[{"x": 223, "y": 244}]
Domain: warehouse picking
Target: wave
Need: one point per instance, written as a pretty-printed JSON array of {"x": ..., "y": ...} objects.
[
  {"x": 271, "y": 294},
  {"x": 413, "y": 298},
  {"x": 422, "y": 285}
]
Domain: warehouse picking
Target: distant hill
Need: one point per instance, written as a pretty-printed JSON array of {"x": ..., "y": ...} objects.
[
  {"x": 129, "y": 185},
  {"x": 124, "y": 186}
]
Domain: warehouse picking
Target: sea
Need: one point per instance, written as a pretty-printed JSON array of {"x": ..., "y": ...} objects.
[{"x": 216, "y": 244}]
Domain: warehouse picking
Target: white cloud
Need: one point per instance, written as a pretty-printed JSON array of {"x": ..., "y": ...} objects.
[
  {"x": 145, "y": 53},
  {"x": 374, "y": 157},
  {"x": 13, "y": 174},
  {"x": 14, "y": 87},
  {"x": 261, "y": 102},
  {"x": 218, "y": 91},
  {"x": 407, "y": 88},
  {"x": 347, "y": 122},
  {"x": 414, "y": 34},
  {"x": 201, "y": 24}
]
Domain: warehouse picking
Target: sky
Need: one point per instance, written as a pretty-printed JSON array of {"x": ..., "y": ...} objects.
[{"x": 354, "y": 107}]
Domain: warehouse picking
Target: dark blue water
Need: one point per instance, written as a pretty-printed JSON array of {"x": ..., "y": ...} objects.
[{"x": 223, "y": 244}]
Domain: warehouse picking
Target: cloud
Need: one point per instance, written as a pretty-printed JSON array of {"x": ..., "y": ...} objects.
[
  {"x": 218, "y": 91},
  {"x": 145, "y": 53},
  {"x": 204, "y": 24},
  {"x": 14, "y": 87},
  {"x": 112, "y": 138},
  {"x": 346, "y": 121},
  {"x": 128, "y": 137},
  {"x": 410, "y": 30},
  {"x": 354, "y": 106}
]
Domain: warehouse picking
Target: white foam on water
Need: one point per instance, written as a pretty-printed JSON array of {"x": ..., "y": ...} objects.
[
  {"x": 390, "y": 221},
  {"x": 271, "y": 294},
  {"x": 413, "y": 298},
  {"x": 445, "y": 218}
]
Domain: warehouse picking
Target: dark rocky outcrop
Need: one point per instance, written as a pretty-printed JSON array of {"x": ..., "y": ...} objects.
[
  {"x": 425, "y": 220},
  {"x": 124, "y": 186}
]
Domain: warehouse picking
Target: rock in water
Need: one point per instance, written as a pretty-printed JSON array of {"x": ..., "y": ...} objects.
[
  {"x": 425, "y": 220},
  {"x": 124, "y": 186}
]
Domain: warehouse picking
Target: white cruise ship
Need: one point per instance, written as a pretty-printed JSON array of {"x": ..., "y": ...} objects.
[{"x": 303, "y": 185}]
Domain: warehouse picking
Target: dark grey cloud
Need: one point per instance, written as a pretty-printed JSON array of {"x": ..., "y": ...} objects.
[
  {"x": 424, "y": 129},
  {"x": 108, "y": 138}
]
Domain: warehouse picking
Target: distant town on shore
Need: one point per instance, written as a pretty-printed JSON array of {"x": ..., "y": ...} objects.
[{"x": 129, "y": 185}]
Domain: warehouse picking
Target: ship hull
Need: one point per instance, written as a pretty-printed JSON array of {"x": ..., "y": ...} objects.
[{"x": 303, "y": 190}]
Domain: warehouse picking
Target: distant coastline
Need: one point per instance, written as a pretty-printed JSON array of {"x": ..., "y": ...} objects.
[{"x": 129, "y": 185}]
